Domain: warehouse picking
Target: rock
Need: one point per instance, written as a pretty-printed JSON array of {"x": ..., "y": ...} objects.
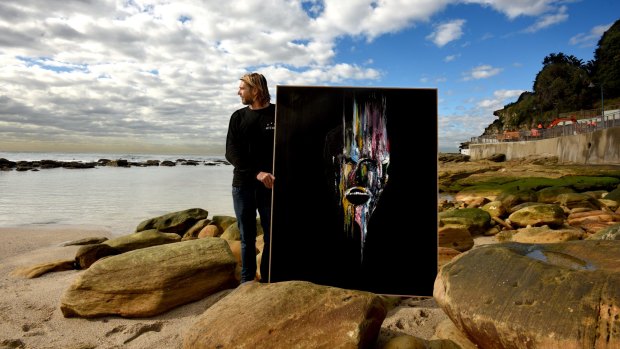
[
  {"x": 289, "y": 314},
  {"x": 194, "y": 230},
  {"x": 445, "y": 255},
  {"x": 609, "y": 233},
  {"x": 89, "y": 254},
  {"x": 564, "y": 295},
  {"x": 494, "y": 208},
  {"x": 232, "y": 231},
  {"x": 538, "y": 215},
  {"x": 447, "y": 331},
  {"x": 455, "y": 236},
  {"x": 549, "y": 195},
  {"x": 151, "y": 280},
  {"x": 210, "y": 230},
  {"x": 476, "y": 220},
  {"x": 223, "y": 221},
  {"x": 546, "y": 235},
  {"x": 515, "y": 196},
  {"x": 40, "y": 269},
  {"x": 85, "y": 241},
  {"x": 142, "y": 239},
  {"x": 176, "y": 222}
]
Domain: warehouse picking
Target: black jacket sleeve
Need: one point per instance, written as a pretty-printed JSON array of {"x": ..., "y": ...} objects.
[{"x": 238, "y": 147}]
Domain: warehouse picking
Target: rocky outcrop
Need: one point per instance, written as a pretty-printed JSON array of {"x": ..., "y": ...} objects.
[
  {"x": 7, "y": 165},
  {"x": 291, "y": 314}
]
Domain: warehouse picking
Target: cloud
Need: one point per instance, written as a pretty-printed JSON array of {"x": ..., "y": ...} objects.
[
  {"x": 549, "y": 20},
  {"x": 590, "y": 39},
  {"x": 371, "y": 18},
  {"x": 447, "y": 32},
  {"x": 451, "y": 58},
  {"x": 165, "y": 74},
  {"x": 513, "y": 9},
  {"x": 471, "y": 122},
  {"x": 481, "y": 72}
]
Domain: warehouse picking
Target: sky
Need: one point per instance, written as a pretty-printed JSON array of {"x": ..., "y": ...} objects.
[{"x": 162, "y": 77}]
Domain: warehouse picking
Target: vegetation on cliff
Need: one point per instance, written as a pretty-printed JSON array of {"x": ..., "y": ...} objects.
[{"x": 566, "y": 84}]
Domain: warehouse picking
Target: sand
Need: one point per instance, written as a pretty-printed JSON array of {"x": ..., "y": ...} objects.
[{"x": 30, "y": 315}]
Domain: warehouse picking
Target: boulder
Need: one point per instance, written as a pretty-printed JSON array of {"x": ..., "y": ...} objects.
[
  {"x": 564, "y": 295},
  {"x": 175, "y": 222},
  {"x": 151, "y": 280},
  {"x": 289, "y": 314}
]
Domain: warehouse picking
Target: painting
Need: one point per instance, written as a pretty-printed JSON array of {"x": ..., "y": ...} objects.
[{"x": 355, "y": 197}]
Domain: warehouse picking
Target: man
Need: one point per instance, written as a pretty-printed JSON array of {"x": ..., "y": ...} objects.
[{"x": 249, "y": 148}]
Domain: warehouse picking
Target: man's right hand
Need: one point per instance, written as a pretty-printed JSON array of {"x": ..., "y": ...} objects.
[{"x": 266, "y": 178}]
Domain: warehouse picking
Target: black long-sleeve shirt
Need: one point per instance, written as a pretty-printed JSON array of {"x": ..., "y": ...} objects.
[{"x": 249, "y": 143}]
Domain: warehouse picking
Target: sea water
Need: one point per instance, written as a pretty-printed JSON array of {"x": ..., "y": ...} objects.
[{"x": 113, "y": 198}]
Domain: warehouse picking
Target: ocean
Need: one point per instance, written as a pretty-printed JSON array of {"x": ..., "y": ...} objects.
[{"x": 113, "y": 198}]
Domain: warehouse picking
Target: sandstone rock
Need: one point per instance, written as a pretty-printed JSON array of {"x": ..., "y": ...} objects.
[
  {"x": 564, "y": 295},
  {"x": 609, "y": 233},
  {"x": 176, "y": 222},
  {"x": 549, "y": 195},
  {"x": 222, "y": 222},
  {"x": 512, "y": 197},
  {"x": 455, "y": 236},
  {"x": 574, "y": 200},
  {"x": 142, "y": 239},
  {"x": 40, "y": 269},
  {"x": 151, "y": 280},
  {"x": 546, "y": 235},
  {"x": 447, "y": 331},
  {"x": 445, "y": 255},
  {"x": 210, "y": 230},
  {"x": 476, "y": 220},
  {"x": 538, "y": 215},
  {"x": 85, "y": 241},
  {"x": 232, "y": 231},
  {"x": 194, "y": 230},
  {"x": 495, "y": 208},
  {"x": 291, "y": 314},
  {"x": 89, "y": 254}
]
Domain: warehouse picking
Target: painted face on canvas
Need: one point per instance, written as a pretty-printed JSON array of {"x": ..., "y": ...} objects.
[{"x": 363, "y": 163}]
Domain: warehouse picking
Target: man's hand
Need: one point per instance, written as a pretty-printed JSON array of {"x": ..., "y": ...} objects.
[{"x": 266, "y": 178}]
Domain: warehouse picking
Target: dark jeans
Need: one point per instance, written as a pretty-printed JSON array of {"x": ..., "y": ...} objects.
[{"x": 246, "y": 201}]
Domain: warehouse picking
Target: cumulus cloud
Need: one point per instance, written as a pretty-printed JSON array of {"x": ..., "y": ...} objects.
[
  {"x": 481, "y": 72},
  {"x": 165, "y": 74},
  {"x": 447, "y": 32}
]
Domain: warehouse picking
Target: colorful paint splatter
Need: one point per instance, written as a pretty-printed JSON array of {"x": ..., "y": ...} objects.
[{"x": 363, "y": 164}]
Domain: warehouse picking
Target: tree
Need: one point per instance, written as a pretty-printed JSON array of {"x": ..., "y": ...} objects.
[
  {"x": 606, "y": 67},
  {"x": 562, "y": 84}
]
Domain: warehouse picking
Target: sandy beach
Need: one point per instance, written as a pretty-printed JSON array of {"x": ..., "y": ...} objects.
[{"x": 30, "y": 315}]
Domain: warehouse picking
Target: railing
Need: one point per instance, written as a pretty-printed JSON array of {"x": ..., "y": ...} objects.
[{"x": 583, "y": 124}]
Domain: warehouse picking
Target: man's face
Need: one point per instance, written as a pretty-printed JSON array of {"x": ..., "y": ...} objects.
[{"x": 245, "y": 92}]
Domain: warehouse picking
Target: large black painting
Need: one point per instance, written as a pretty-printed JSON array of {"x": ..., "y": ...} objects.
[{"x": 355, "y": 197}]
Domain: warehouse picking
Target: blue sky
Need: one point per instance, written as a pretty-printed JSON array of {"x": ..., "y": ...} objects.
[{"x": 161, "y": 76}]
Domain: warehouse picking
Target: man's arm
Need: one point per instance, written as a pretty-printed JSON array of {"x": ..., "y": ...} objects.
[{"x": 237, "y": 152}]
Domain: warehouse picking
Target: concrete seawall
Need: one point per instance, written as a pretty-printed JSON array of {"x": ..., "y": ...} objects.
[{"x": 600, "y": 147}]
